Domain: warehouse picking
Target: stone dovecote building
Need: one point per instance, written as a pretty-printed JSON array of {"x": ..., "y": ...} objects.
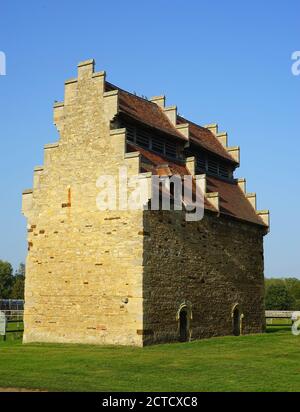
[{"x": 138, "y": 277}]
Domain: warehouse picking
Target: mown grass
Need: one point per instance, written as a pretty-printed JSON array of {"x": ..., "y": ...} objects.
[
  {"x": 269, "y": 362},
  {"x": 14, "y": 326}
]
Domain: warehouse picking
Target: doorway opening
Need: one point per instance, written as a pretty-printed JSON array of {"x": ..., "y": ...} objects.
[
  {"x": 236, "y": 321},
  {"x": 183, "y": 325}
]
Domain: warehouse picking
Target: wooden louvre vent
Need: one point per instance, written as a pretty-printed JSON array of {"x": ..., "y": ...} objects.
[
  {"x": 147, "y": 140},
  {"x": 212, "y": 166}
]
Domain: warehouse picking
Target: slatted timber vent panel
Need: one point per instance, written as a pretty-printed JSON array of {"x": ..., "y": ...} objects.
[
  {"x": 171, "y": 149},
  {"x": 224, "y": 171},
  {"x": 212, "y": 166},
  {"x": 201, "y": 163},
  {"x": 143, "y": 138},
  {"x": 147, "y": 140},
  {"x": 157, "y": 145},
  {"x": 130, "y": 133}
]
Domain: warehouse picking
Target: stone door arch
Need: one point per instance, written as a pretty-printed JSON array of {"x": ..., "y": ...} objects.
[
  {"x": 184, "y": 317},
  {"x": 237, "y": 320}
]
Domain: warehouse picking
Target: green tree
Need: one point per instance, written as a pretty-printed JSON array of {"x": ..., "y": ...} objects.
[
  {"x": 6, "y": 279},
  {"x": 19, "y": 283},
  {"x": 292, "y": 285},
  {"x": 21, "y": 270},
  {"x": 278, "y": 297},
  {"x": 17, "y": 291}
]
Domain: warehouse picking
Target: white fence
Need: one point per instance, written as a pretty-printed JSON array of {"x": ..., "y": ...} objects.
[
  {"x": 11, "y": 321},
  {"x": 279, "y": 314}
]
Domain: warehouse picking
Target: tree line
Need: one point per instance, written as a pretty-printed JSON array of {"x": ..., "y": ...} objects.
[
  {"x": 11, "y": 283},
  {"x": 282, "y": 294}
]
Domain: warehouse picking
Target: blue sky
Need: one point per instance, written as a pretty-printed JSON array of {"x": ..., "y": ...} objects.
[{"x": 225, "y": 62}]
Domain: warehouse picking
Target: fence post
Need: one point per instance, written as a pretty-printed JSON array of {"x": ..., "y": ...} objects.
[{"x": 3, "y": 325}]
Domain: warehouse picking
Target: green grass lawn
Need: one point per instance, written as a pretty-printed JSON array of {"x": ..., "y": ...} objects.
[
  {"x": 15, "y": 326},
  {"x": 269, "y": 362}
]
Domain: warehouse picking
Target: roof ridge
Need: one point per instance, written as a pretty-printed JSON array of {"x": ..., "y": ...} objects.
[
  {"x": 130, "y": 93},
  {"x": 193, "y": 123},
  {"x": 161, "y": 109},
  {"x": 149, "y": 101}
]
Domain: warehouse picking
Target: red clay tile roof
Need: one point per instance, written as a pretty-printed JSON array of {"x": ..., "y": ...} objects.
[
  {"x": 151, "y": 161},
  {"x": 206, "y": 139},
  {"x": 232, "y": 200},
  {"x": 152, "y": 115},
  {"x": 145, "y": 112}
]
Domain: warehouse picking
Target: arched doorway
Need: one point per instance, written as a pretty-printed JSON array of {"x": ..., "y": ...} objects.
[
  {"x": 183, "y": 325},
  {"x": 236, "y": 321}
]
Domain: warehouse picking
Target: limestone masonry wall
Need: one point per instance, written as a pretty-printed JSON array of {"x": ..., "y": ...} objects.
[
  {"x": 84, "y": 267},
  {"x": 208, "y": 266}
]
